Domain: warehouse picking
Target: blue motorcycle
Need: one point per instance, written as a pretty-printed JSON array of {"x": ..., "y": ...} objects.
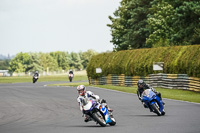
[
  {"x": 97, "y": 112},
  {"x": 153, "y": 102}
]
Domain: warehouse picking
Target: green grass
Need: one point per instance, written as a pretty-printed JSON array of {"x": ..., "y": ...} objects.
[
  {"x": 183, "y": 95},
  {"x": 71, "y": 84},
  {"x": 41, "y": 78}
]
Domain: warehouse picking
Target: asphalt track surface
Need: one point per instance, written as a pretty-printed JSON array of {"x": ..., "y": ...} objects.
[{"x": 37, "y": 108}]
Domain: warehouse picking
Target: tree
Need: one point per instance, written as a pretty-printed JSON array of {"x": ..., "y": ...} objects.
[
  {"x": 86, "y": 56},
  {"x": 129, "y": 27},
  {"x": 20, "y": 63},
  {"x": 186, "y": 23},
  {"x": 76, "y": 61},
  {"x": 160, "y": 22},
  {"x": 155, "y": 23},
  {"x": 48, "y": 61},
  {"x": 4, "y": 64},
  {"x": 63, "y": 59},
  {"x": 34, "y": 63}
]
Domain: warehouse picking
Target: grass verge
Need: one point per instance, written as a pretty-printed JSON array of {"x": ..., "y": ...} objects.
[
  {"x": 183, "y": 95},
  {"x": 71, "y": 84},
  {"x": 41, "y": 78}
]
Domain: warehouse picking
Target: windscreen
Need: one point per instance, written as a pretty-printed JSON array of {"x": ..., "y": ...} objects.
[{"x": 146, "y": 92}]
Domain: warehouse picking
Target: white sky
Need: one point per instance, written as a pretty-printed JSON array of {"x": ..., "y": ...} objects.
[{"x": 55, "y": 25}]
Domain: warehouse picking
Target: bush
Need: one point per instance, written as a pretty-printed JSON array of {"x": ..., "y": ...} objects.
[{"x": 139, "y": 62}]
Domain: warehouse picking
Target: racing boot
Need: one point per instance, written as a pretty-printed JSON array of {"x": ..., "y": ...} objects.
[
  {"x": 103, "y": 102},
  {"x": 162, "y": 102},
  {"x": 87, "y": 118},
  {"x": 109, "y": 109},
  {"x": 145, "y": 106}
]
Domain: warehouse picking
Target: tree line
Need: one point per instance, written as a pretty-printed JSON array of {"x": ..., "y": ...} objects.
[
  {"x": 155, "y": 23},
  {"x": 53, "y": 61}
]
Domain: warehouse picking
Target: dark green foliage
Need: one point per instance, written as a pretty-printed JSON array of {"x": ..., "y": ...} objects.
[
  {"x": 129, "y": 27},
  {"x": 155, "y": 23},
  {"x": 139, "y": 62},
  {"x": 187, "y": 23}
]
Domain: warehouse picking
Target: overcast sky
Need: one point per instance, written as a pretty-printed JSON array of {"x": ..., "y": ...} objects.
[{"x": 55, "y": 25}]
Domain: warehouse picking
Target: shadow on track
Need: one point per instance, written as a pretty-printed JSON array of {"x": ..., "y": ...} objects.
[
  {"x": 144, "y": 115},
  {"x": 88, "y": 126}
]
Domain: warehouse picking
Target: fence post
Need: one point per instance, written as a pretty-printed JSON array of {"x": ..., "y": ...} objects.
[
  {"x": 109, "y": 79},
  {"x": 121, "y": 80}
]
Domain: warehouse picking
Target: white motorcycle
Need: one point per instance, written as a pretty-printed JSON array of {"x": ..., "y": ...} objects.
[{"x": 97, "y": 112}]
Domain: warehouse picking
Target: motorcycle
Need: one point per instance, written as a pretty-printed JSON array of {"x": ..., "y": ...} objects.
[
  {"x": 97, "y": 112},
  {"x": 71, "y": 77},
  {"x": 35, "y": 78},
  {"x": 153, "y": 102}
]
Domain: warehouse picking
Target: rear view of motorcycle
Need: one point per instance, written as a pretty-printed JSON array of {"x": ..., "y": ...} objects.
[
  {"x": 153, "y": 102},
  {"x": 97, "y": 112}
]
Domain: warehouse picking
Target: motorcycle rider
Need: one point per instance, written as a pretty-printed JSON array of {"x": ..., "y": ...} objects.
[
  {"x": 36, "y": 74},
  {"x": 70, "y": 72},
  {"x": 86, "y": 94},
  {"x": 143, "y": 86}
]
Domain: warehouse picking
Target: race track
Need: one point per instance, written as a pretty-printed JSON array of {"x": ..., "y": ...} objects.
[{"x": 37, "y": 108}]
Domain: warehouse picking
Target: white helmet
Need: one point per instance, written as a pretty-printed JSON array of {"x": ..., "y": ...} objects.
[{"x": 81, "y": 90}]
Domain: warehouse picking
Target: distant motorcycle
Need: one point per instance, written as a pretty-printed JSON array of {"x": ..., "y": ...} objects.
[
  {"x": 35, "y": 78},
  {"x": 97, "y": 112},
  {"x": 71, "y": 77},
  {"x": 153, "y": 102}
]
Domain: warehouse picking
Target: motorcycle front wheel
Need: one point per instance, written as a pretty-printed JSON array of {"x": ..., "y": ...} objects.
[
  {"x": 113, "y": 122},
  {"x": 70, "y": 79},
  {"x": 97, "y": 116},
  {"x": 156, "y": 109}
]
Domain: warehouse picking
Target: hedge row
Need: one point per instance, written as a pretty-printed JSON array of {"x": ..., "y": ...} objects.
[{"x": 139, "y": 62}]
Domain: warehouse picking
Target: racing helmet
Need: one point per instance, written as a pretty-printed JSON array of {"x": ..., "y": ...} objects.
[
  {"x": 140, "y": 83},
  {"x": 81, "y": 90}
]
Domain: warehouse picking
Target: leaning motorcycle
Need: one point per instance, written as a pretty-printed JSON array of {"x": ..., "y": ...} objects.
[
  {"x": 71, "y": 77},
  {"x": 153, "y": 102},
  {"x": 97, "y": 112},
  {"x": 35, "y": 78}
]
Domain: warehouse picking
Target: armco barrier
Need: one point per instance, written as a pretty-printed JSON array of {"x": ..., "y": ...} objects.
[{"x": 169, "y": 81}]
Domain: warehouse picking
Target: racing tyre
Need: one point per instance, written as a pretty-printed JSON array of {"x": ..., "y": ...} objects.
[
  {"x": 97, "y": 116},
  {"x": 70, "y": 79},
  {"x": 163, "y": 113},
  {"x": 113, "y": 122},
  {"x": 34, "y": 80},
  {"x": 156, "y": 109}
]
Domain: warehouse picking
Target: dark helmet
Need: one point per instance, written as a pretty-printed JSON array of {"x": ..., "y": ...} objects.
[{"x": 140, "y": 82}]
